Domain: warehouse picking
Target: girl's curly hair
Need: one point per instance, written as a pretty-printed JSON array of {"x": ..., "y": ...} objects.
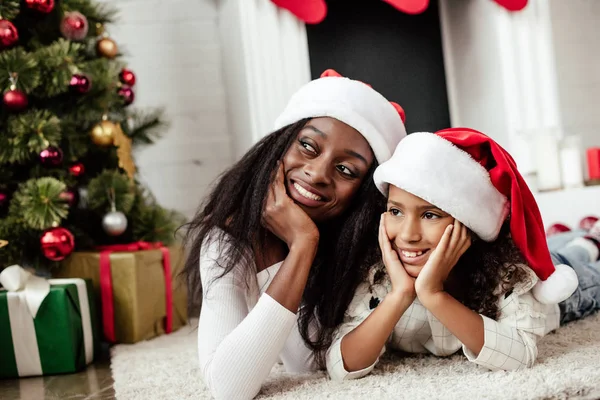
[{"x": 486, "y": 271}]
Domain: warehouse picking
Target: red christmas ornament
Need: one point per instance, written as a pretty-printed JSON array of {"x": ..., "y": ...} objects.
[
  {"x": 57, "y": 243},
  {"x": 43, "y": 6},
  {"x": 309, "y": 11},
  {"x": 8, "y": 34},
  {"x": 557, "y": 228},
  {"x": 15, "y": 100},
  {"x": 77, "y": 169},
  {"x": 127, "y": 77},
  {"x": 71, "y": 196},
  {"x": 3, "y": 199},
  {"x": 74, "y": 26},
  {"x": 51, "y": 156},
  {"x": 80, "y": 83},
  {"x": 127, "y": 93}
]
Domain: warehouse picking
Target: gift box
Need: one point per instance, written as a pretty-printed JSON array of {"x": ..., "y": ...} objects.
[
  {"x": 137, "y": 287},
  {"x": 46, "y": 326}
]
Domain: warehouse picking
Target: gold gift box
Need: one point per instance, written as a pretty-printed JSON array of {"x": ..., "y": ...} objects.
[{"x": 138, "y": 285}]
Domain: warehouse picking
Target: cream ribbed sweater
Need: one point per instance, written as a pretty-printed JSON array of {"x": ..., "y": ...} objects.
[{"x": 242, "y": 331}]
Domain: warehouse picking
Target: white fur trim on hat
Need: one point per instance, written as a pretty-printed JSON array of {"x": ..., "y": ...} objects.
[
  {"x": 558, "y": 287},
  {"x": 440, "y": 173},
  {"x": 353, "y": 103}
]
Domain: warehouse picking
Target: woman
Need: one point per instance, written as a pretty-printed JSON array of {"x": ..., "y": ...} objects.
[{"x": 287, "y": 234}]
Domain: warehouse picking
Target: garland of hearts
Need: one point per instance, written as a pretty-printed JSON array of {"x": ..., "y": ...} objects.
[{"x": 314, "y": 11}]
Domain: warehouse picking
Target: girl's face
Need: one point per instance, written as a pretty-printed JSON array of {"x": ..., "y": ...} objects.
[
  {"x": 325, "y": 167},
  {"x": 415, "y": 227}
]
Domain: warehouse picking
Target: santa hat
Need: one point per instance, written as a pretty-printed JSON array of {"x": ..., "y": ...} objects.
[
  {"x": 471, "y": 177},
  {"x": 356, "y": 104}
]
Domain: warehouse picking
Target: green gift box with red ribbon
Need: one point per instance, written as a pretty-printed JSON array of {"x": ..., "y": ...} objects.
[
  {"x": 46, "y": 326},
  {"x": 136, "y": 285}
]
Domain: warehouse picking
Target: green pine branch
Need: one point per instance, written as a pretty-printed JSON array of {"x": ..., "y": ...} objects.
[
  {"x": 27, "y": 135},
  {"x": 23, "y": 64},
  {"x": 12, "y": 229},
  {"x": 9, "y": 9},
  {"x": 153, "y": 223},
  {"x": 145, "y": 127},
  {"x": 40, "y": 203},
  {"x": 99, "y": 192},
  {"x": 57, "y": 64},
  {"x": 95, "y": 13}
]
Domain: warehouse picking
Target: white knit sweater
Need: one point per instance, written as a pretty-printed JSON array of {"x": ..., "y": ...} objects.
[{"x": 242, "y": 331}]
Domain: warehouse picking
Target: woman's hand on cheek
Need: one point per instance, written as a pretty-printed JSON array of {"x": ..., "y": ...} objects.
[
  {"x": 453, "y": 244},
  {"x": 284, "y": 218},
  {"x": 402, "y": 283}
]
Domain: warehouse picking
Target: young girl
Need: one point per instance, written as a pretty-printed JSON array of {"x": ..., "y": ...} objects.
[
  {"x": 466, "y": 262},
  {"x": 292, "y": 223}
]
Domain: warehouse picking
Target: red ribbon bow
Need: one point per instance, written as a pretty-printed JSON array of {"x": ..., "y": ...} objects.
[{"x": 106, "y": 291}]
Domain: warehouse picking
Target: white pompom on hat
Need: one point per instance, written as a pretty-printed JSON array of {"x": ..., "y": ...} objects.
[{"x": 352, "y": 102}]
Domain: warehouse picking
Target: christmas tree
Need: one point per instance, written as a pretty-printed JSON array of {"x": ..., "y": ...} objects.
[{"x": 67, "y": 127}]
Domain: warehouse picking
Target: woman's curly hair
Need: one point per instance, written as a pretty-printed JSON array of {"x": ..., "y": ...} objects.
[{"x": 486, "y": 271}]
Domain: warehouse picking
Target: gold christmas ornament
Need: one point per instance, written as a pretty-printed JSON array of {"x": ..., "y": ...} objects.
[
  {"x": 107, "y": 47},
  {"x": 99, "y": 29},
  {"x": 103, "y": 133},
  {"x": 123, "y": 143},
  {"x": 3, "y": 243}
]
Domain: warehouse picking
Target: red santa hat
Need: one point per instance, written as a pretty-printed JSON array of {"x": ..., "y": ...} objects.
[
  {"x": 471, "y": 177},
  {"x": 353, "y": 102}
]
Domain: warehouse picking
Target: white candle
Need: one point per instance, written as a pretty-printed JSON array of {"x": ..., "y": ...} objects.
[
  {"x": 547, "y": 162},
  {"x": 571, "y": 163}
]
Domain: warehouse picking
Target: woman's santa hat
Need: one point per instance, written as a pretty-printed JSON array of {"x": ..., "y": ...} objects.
[
  {"x": 471, "y": 177},
  {"x": 352, "y": 102}
]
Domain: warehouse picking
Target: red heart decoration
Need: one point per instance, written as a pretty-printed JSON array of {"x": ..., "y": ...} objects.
[
  {"x": 409, "y": 6},
  {"x": 512, "y": 5},
  {"x": 309, "y": 11}
]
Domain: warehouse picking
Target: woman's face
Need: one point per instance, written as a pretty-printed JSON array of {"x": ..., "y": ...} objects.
[
  {"x": 325, "y": 167},
  {"x": 415, "y": 227}
]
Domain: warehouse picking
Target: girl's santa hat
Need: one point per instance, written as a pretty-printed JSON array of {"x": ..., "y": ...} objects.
[
  {"x": 354, "y": 103},
  {"x": 471, "y": 177}
]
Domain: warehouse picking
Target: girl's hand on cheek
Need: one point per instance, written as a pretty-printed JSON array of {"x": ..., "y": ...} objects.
[
  {"x": 453, "y": 244},
  {"x": 402, "y": 283}
]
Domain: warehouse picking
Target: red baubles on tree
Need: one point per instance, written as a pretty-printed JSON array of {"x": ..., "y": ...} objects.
[
  {"x": 51, "y": 156},
  {"x": 43, "y": 6},
  {"x": 3, "y": 198},
  {"x": 127, "y": 94},
  {"x": 15, "y": 100},
  {"x": 57, "y": 243},
  {"x": 74, "y": 26},
  {"x": 8, "y": 34},
  {"x": 70, "y": 196},
  {"x": 77, "y": 169},
  {"x": 80, "y": 83},
  {"x": 127, "y": 77},
  {"x": 309, "y": 11}
]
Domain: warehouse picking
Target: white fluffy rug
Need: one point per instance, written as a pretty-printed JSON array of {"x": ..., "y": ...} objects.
[{"x": 568, "y": 367}]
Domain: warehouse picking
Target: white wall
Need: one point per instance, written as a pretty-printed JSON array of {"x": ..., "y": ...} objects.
[
  {"x": 174, "y": 49},
  {"x": 265, "y": 60},
  {"x": 576, "y": 33}
]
